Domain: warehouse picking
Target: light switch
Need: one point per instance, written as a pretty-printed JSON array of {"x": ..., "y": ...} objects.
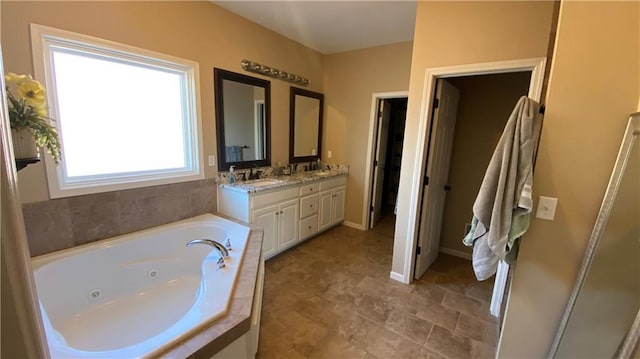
[
  {"x": 212, "y": 160},
  {"x": 329, "y": 154},
  {"x": 546, "y": 208}
]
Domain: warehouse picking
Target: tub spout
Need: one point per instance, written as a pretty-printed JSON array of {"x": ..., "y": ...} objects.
[{"x": 224, "y": 253}]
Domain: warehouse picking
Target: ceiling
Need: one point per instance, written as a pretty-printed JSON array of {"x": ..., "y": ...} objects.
[{"x": 332, "y": 26}]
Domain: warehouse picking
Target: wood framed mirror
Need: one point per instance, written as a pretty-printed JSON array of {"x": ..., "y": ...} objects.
[
  {"x": 243, "y": 120},
  {"x": 305, "y": 129}
]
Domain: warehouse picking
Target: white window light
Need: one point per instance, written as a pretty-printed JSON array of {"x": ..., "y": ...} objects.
[{"x": 127, "y": 117}]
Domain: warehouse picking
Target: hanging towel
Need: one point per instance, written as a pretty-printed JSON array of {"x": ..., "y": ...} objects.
[
  {"x": 502, "y": 207},
  {"x": 233, "y": 153}
]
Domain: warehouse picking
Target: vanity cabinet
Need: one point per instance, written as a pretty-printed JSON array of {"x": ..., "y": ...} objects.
[
  {"x": 288, "y": 214},
  {"x": 331, "y": 197}
]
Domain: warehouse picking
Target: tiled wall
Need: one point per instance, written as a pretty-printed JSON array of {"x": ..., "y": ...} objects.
[{"x": 63, "y": 223}]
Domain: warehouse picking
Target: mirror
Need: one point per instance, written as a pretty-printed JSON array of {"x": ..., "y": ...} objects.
[
  {"x": 305, "y": 130},
  {"x": 599, "y": 319},
  {"x": 243, "y": 113}
]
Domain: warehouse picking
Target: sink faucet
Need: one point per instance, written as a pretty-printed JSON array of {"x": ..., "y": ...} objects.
[{"x": 224, "y": 252}]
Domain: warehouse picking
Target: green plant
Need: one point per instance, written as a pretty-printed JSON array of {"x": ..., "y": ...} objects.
[{"x": 28, "y": 111}]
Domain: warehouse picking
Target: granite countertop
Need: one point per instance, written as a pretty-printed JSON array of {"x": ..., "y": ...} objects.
[
  {"x": 237, "y": 321},
  {"x": 270, "y": 183}
]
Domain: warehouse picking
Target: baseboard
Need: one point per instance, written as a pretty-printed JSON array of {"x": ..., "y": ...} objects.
[
  {"x": 397, "y": 276},
  {"x": 456, "y": 253},
  {"x": 354, "y": 225}
]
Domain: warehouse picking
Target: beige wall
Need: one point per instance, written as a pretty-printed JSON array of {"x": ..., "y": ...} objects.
[
  {"x": 593, "y": 88},
  {"x": 350, "y": 79},
  {"x": 198, "y": 31},
  {"x": 486, "y": 102},
  {"x": 456, "y": 33}
]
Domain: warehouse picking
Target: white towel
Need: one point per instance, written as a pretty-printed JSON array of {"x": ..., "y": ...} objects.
[{"x": 501, "y": 210}]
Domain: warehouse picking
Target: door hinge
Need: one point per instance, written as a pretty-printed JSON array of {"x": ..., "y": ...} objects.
[
  {"x": 436, "y": 103},
  {"x": 371, "y": 208},
  {"x": 418, "y": 250},
  {"x": 375, "y": 163},
  {"x": 426, "y": 180}
]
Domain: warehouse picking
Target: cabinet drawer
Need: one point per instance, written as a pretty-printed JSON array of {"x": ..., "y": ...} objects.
[
  {"x": 308, "y": 226},
  {"x": 332, "y": 183},
  {"x": 308, "y": 189},
  {"x": 308, "y": 205},
  {"x": 272, "y": 197}
]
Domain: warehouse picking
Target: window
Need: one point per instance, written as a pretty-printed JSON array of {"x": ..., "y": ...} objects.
[{"x": 127, "y": 117}]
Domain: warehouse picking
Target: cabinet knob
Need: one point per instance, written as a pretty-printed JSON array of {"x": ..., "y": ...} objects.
[
  {"x": 277, "y": 213},
  {"x": 311, "y": 206},
  {"x": 309, "y": 227},
  {"x": 281, "y": 212}
]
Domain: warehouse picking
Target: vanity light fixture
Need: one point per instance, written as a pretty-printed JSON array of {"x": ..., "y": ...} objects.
[{"x": 251, "y": 66}]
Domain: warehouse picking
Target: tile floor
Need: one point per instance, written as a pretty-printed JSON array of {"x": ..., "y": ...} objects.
[{"x": 331, "y": 297}]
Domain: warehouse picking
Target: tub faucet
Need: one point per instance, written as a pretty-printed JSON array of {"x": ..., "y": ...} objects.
[{"x": 224, "y": 253}]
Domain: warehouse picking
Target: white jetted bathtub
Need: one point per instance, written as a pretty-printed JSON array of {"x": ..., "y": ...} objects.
[{"x": 136, "y": 295}]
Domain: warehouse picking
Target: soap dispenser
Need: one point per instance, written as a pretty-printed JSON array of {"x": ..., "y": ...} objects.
[{"x": 232, "y": 176}]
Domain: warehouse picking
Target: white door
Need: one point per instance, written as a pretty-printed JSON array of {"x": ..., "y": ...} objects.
[
  {"x": 384, "y": 117},
  {"x": 288, "y": 225},
  {"x": 268, "y": 220},
  {"x": 259, "y": 128},
  {"x": 434, "y": 193},
  {"x": 338, "y": 206}
]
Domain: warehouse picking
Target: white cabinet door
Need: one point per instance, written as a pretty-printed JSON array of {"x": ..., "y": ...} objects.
[
  {"x": 267, "y": 218},
  {"x": 337, "y": 207},
  {"x": 288, "y": 226},
  {"x": 325, "y": 217}
]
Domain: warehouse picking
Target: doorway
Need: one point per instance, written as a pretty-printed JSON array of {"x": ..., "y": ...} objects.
[
  {"x": 411, "y": 182},
  {"x": 468, "y": 119},
  {"x": 388, "y": 139},
  {"x": 416, "y": 260}
]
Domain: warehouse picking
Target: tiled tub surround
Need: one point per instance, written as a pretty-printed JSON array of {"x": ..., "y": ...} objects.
[
  {"x": 64, "y": 223},
  {"x": 233, "y": 325}
]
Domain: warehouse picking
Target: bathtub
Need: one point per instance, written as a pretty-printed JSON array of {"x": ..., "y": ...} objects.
[{"x": 139, "y": 294}]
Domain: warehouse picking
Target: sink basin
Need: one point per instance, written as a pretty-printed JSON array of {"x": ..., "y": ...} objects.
[
  {"x": 263, "y": 182},
  {"x": 322, "y": 174}
]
